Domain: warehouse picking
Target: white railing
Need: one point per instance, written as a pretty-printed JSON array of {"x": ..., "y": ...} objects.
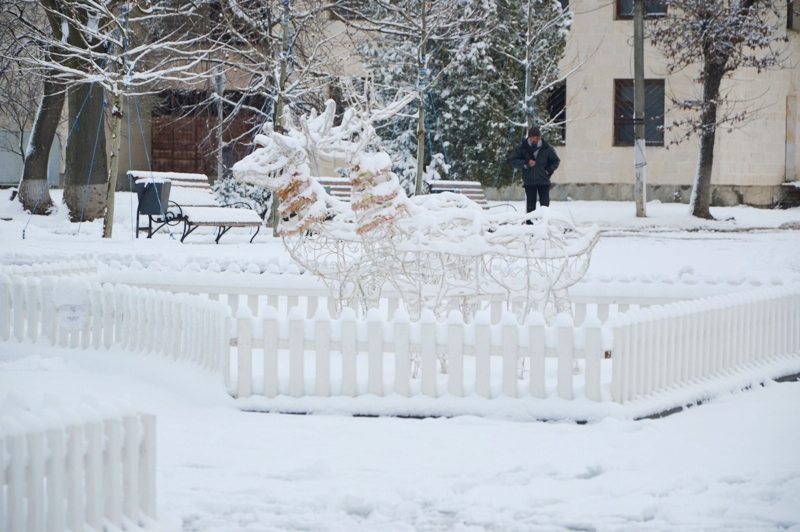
[
  {"x": 667, "y": 347},
  {"x": 64, "y": 468},
  {"x": 72, "y": 312},
  {"x": 320, "y": 356}
]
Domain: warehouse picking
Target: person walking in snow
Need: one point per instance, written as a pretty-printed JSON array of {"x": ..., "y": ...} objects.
[{"x": 537, "y": 160}]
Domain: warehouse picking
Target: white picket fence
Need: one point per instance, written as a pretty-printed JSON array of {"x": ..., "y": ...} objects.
[
  {"x": 666, "y": 347},
  {"x": 653, "y": 349},
  {"x": 283, "y": 299},
  {"x": 72, "y": 312},
  {"x": 77, "y": 469},
  {"x": 340, "y": 340},
  {"x": 304, "y": 351}
]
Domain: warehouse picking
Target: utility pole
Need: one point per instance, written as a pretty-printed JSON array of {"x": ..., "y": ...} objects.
[
  {"x": 639, "y": 162},
  {"x": 421, "y": 86}
]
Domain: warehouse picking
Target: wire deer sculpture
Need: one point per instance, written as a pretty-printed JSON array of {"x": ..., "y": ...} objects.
[{"x": 440, "y": 252}]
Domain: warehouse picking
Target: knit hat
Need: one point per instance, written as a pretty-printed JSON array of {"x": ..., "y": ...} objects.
[{"x": 534, "y": 132}]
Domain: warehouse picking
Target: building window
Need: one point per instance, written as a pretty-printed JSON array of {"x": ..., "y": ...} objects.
[
  {"x": 557, "y": 109},
  {"x": 793, "y": 15},
  {"x": 653, "y": 112},
  {"x": 184, "y": 138},
  {"x": 652, "y": 8}
]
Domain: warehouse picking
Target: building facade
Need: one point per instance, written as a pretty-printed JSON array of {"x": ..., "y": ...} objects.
[{"x": 751, "y": 163}]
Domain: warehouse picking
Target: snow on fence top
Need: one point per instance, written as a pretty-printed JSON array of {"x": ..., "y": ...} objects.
[
  {"x": 216, "y": 277},
  {"x": 686, "y": 284},
  {"x": 50, "y": 268}
]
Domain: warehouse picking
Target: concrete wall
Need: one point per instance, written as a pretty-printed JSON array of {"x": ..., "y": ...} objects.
[
  {"x": 721, "y": 195},
  {"x": 11, "y": 163}
]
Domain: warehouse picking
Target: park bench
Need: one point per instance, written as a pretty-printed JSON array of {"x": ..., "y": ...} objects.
[
  {"x": 338, "y": 187},
  {"x": 192, "y": 202},
  {"x": 471, "y": 189},
  {"x": 341, "y": 187}
]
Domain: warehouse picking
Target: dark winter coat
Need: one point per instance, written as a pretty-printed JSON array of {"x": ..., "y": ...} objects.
[{"x": 546, "y": 163}]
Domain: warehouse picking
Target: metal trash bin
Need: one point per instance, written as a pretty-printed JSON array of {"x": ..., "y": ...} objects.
[{"x": 153, "y": 196}]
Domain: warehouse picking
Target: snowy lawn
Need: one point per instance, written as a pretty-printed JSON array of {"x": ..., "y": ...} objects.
[{"x": 731, "y": 464}]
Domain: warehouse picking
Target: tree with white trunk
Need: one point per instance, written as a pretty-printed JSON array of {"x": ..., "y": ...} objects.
[
  {"x": 99, "y": 53},
  {"x": 27, "y": 101}
]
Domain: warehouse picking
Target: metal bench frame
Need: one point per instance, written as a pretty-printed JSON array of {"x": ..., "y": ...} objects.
[{"x": 175, "y": 215}]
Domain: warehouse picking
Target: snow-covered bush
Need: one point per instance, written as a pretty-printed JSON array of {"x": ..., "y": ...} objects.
[{"x": 230, "y": 192}]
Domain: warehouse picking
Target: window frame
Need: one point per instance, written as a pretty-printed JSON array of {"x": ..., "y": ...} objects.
[
  {"x": 557, "y": 101},
  {"x": 619, "y": 15},
  {"x": 617, "y": 121}
]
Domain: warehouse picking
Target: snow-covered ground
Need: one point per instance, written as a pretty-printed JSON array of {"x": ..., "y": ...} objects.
[{"x": 731, "y": 464}]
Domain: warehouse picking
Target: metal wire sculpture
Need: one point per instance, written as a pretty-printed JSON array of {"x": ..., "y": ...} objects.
[{"x": 440, "y": 252}]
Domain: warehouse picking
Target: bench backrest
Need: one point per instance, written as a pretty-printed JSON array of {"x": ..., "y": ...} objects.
[
  {"x": 338, "y": 187},
  {"x": 188, "y": 190},
  {"x": 471, "y": 189},
  {"x": 184, "y": 179}
]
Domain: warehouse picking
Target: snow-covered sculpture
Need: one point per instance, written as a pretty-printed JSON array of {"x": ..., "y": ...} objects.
[{"x": 439, "y": 251}]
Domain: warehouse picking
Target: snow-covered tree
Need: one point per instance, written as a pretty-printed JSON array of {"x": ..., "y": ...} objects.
[
  {"x": 483, "y": 105},
  {"x": 414, "y": 44},
  {"x": 100, "y": 52},
  {"x": 279, "y": 62},
  {"x": 480, "y": 89},
  {"x": 236, "y": 194},
  {"x": 719, "y": 37},
  {"x": 20, "y": 95}
]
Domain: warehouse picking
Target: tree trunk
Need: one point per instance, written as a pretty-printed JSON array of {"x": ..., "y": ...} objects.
[
  {"x": 420, "y": 146},
  {"x": 701, "y": 191},
  {"x": 34, "y": 193},
  {"x": 87, "y": 170},
  {"x": 116, "y": 133}
]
